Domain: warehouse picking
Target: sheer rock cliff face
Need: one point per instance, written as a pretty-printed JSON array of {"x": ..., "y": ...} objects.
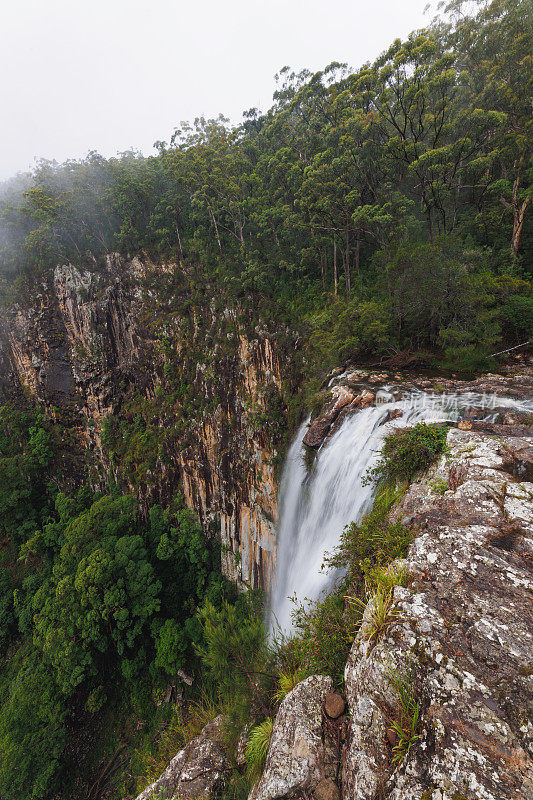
[{"x": 88, "y": 341}]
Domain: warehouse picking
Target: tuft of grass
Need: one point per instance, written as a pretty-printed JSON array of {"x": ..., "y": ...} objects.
[
  {"x": 379, "y": 612},
  {"x": 405, "y": 724},
  {"x": 257, "y": 748},
  {"x": 406, "y": 451},
  {"x": 386, "y": 577},
  {"x": 287, "y": 681},
  {"x": 439, "y": 486}
]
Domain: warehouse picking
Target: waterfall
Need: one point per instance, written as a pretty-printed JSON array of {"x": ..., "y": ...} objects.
[{"x": 314, "y": 508}]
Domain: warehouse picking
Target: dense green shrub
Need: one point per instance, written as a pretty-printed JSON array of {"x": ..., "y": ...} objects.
[
  {"x": 235, "y": 647},
  {"x": 374, "y": 542},
  {"x": 345, "y": 331},
  {"x": 324, "y": 633},
  {"x": 101, "y": 594},
  {"x": 26, "y": 451},
  {"x": 7, "y": 616},
  {"x": 406, "y": 451},
  {"x": 517, "y": 313}
]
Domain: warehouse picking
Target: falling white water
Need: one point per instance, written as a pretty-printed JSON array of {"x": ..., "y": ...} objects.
[{"x": 315, "y": 508}]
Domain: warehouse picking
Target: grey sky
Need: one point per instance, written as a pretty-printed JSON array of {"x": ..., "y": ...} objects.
[{"x": 113, "y": 74}]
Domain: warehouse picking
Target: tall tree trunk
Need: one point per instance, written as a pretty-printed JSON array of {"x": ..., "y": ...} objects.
[
  {"x": 357, "y": 251},
  {"x": 430, "y": 225},
  {"x": 335, "y": 277},
  {"x": 240, "y": 225},
  {"x": 215, "y": 227},
  {"x": 179, "y": 241},
  {"x": 518, "y": 223},
  {"x": 347, "y": 264},
  {"x": 519, "y": 213}
]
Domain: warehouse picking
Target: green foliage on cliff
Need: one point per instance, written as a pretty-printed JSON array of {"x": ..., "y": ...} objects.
[
  {"x": 25, "y": 454},
  {"x": 384, "y": 209},
  {"x": 406, "y": 451},
  {"x": 33, "y": 729}
]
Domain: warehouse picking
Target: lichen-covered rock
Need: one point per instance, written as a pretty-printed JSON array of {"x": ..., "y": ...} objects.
[
  {"x": 295, "y": 760},
  {"x": 463, "y": 630},
  {"x": 197, "y": 771}
]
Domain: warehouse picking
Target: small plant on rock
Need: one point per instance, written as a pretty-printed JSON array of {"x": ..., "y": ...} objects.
[
  {"x": 379, "y": 612},
  {"x": 287, "y": 681},
  {"x": 386, "y": 577},
  {"x": 405, "y": 724},
  {"x": 257, "y": 748},
  {"x": 439, "y": 486}
]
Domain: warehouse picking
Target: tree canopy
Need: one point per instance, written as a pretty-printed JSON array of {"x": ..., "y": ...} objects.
[{"x": 313, "y": 199}]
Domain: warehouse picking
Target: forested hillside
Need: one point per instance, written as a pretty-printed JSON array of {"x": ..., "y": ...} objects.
[
  {"x": 381, "y": 216},
  {"x": 388, "y": 207}
]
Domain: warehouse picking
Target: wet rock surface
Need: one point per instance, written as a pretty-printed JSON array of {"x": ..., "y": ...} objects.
[
  {"x": 461, "y": 635},
  {"x": 327, "y": 790},
  {"x": 295, "y": 760},
  {"x": 318, "y": 429},
  {"x": 355, "y": 389},
  {"x": 197, "y": 771},
  {"x": 344, "y": 402}
]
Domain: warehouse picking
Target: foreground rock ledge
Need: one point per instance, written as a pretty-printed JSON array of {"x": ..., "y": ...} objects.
[
  {"x": 199, "y": 770},
  {"x": 464, "y": 628},
  {"x": 295, "y": 760}
]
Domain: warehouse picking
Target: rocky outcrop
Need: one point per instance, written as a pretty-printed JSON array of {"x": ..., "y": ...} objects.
[
  {"x": 515, "y": 380},
  {"x": 295, "y": 760},
  {"x": 197, "y": 771},
  {"x": 459, "y": 639},
  {"x": 343, "y": 401},
  {"x": 95, "y": 340}
]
